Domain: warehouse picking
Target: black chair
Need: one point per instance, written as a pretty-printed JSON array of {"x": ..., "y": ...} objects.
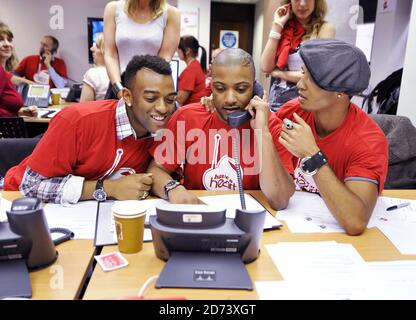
[
  {"x": 401, "y": 136},
  {"x": 12, "y": 128},
  {"x": 13, "y": 151}
]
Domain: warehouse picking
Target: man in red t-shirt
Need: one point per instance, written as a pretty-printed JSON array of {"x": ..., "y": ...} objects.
[
  {"x": 337, "y": 150},
  {"x": 99, "y": 149},
  {"x": 44, "y": 68},
  {"x": 201, "y": 142}
]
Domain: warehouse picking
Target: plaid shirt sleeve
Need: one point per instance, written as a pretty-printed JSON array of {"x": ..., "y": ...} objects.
[{"x": 41, "y": 187}]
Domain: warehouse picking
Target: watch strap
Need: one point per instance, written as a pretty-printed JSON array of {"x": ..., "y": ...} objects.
[{"x": 310, "y": 165}]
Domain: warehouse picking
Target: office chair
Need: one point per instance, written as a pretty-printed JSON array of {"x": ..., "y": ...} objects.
[
  {"x": 13, "y": 151},
  {"x": 401, "y": 136},
  {"x": 12, "y": 128}
]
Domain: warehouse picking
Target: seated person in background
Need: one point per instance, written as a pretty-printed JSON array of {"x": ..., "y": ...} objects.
[
  {"x": 191, "y": 83},
  {"x": 337, "y": 150},
  {"x": 8, "y": 59},
  {"x": 200, "y": 141},
  {"x": 44, "y": 68},
  {"x": 96, "y": 79},
  {"x": 11, "y": 103},
  {"x": 89, "y": 143}
]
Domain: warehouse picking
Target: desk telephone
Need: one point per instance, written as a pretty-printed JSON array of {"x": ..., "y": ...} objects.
[{"x": 34, "y": 94}]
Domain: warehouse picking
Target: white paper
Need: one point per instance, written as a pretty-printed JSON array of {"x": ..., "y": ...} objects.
[
  {"x": 396, "y": 279},
  {"x": 326, "y": 270},
  {"x": 308, "y": 213},
  {"x": 5, "y": 205},
  {"x": 42, "y": 112},
  {"x": 399, "y": 225},
  {"x": 79, "y": 218}
]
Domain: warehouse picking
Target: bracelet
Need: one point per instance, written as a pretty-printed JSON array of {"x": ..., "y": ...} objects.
[
  {"x": 117, "y": 86},
  {"x": 278, "y": 23},
  {"x": 274, "y": 35}
]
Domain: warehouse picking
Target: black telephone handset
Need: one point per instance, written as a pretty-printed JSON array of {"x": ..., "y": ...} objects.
[{"x": 238, "y": 118}]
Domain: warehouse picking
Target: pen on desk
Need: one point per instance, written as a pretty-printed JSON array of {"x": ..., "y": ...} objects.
[{"x": 398, "y": 206}]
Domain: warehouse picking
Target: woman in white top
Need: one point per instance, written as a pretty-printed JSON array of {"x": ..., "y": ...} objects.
[
  {"x": 138, "y": 27},
  {"x": 96, "y": 78},
  {"x": 295, "y": 22}
]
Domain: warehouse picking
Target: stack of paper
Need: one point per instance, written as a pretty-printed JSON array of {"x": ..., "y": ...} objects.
[
  {"x": 308, "y": 213},
  {"x": 5, "y": 205},
  {"x": 316, "y": 270},
  {"x": 399, "y": 225}
]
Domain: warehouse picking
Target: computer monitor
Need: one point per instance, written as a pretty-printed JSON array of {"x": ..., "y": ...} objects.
[
  {"x": 95, "y": 26},
  {"x": 174, "y": 64}
]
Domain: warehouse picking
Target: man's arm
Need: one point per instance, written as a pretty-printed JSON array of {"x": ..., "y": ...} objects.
[
  {"x": 351, "y": 203},
  {"x": 161, "y": 176},
  {"x": 275, "y": 182},
  {"x": 70, "y": 189}
]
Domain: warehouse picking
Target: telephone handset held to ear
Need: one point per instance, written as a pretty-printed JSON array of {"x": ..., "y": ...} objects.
[{"x": 237, "y": 118}]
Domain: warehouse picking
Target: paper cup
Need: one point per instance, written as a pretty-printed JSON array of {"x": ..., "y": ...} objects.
[
  {"x": 129, "y": 217},
  {"x": 56, "y": 98}
]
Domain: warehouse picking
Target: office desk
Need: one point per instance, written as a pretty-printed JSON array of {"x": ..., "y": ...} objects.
[
  {"x": 65, "y": 278},
  {"x": 46, "y": 120},
  {"x": 372, "y": 245}
]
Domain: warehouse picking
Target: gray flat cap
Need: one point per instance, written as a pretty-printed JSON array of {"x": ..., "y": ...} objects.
[{"x": 336, "y": 65}]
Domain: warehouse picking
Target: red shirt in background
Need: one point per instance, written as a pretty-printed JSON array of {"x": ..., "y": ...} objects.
[
  {"x": 357, "y": 150},
  {"x": 31, "y": 65},
  {"x": 10, "y": 99},
  {"x": 193, "y": 79}
]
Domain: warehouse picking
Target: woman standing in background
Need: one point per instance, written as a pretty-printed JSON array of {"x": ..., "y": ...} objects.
[
  {"x": 96, "y": 78},
  {"x": 138, "y": 27},
  {"x": 191, "y": 83},
  {"x": 295, "y": 22}
]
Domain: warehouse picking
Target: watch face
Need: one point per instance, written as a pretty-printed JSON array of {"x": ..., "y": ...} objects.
[{"x": 99, "y": 195}]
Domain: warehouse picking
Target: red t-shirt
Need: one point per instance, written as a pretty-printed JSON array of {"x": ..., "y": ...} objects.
[
  {"x": 201, "y": 143},
  {"x": 10, "y": 99},
  {"x": 357, "y": 150},
  {"x": 81, "y": 140},
  {"x": 31, "y": 65},
  {"x": 193, "y": 79}
]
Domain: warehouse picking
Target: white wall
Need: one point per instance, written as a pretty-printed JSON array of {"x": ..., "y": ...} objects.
[
  {"x": 29, "y": 21},
  {"x": 390, "y": 39},
  {"x": 258, "y": 36},
  {"x": 342, "y": 14},
  {"x": 407, "y": 103},
  {"x": 204, "y": 7}
]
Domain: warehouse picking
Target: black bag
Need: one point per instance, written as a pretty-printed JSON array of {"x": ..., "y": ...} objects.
[{"x": 387, "y": 94}]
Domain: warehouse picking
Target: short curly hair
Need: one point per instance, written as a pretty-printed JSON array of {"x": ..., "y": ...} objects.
[{"x": 154, "y": 63}]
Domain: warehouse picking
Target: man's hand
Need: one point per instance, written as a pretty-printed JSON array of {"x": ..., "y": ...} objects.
[
  {"x": 31, "y": 111},
  {"x": 131, "y": 187},
  {"x": 299, "y": 140},
  {"x": 208, "y": 104},
  {"x": 180, "y": 195},
  {"x": 259, "y": 110},
  {"x": 47, "y": 58}
]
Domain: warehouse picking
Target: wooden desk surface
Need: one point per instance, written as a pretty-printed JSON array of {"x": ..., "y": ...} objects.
[
  {"x": 372, "y": 245},
  {"x": 46, "y": 120},
  {"x": 65, "y": 278}
]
